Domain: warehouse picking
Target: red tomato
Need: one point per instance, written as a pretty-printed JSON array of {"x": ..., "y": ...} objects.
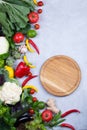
[
  {"x": 31, "y": 111},
  {"x": 18, "y": 37},
  {"x": 32, "y": 91},
  {"x": 36, "y": 26},
  {"x": 34, "y": 99},
  {"x": 47, "y": 115},
  {"x": 33, "y": 17},
  {"x": 40, "y": 3}
]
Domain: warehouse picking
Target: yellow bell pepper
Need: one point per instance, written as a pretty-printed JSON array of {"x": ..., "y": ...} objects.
[
  {"x": 30, "y": 86},
  {"x": 28, "y": 46},
  {"x": 27, "y": 63},
  {"x": 10, "y": 71}
]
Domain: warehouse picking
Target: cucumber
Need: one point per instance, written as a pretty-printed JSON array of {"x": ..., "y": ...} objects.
[{"x": 4, "y": 47}]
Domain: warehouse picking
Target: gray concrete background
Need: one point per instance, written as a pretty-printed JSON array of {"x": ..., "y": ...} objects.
[{"x": 64, "y": 32}]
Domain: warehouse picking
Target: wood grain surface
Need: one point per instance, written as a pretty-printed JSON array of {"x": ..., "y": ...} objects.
[{"x": 60, "y": 75}]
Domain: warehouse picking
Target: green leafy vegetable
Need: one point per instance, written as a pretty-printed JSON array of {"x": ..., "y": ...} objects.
[
  {"x": 13, "y": 15},
  {"x": 10, "y": 61},
  {"x": 6, "y": 120},
  {"x": 5, "y": 73},
  {"x": 1, "y": 63},
  {"x": 57, "y": 116},
  {"x": 36, "y": 124},
  {"x": 15, "y": 53},
  {"x": 3, "y": 125},
  {"x": 55, "y": 121}
]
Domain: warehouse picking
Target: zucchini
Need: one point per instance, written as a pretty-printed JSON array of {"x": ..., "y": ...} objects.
[{"x": 4, "y": 48}]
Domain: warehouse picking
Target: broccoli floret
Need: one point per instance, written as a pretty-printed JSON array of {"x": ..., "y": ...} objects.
[
  {"x": 10, "y": 61},
  {"x": 16, "y": 54}
]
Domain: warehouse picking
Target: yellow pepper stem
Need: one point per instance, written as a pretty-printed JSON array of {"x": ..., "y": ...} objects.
[
  {"x": 25, "y": 59},
  {"x": 32, "y": 66},
  {"x": 27, "y": 62},
  {"x": 31, "y": 87}
]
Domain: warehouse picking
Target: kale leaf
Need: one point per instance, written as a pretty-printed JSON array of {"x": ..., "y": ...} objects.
[{"x": 13, "y": 15}]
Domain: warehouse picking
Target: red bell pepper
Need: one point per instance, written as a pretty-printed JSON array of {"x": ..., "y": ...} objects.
[{"x": 22, "y": 70}]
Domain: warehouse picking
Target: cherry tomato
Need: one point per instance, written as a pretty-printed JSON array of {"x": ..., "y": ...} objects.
[
  {"x": 18, "y": 37},
  {"x": 40, "y": 3},
  {"x": 36, "y": 26},
  {"x": 31, "y": 111},
  {"x": 31, "y": 33},
  {"x": 39, "y": 11},
  {"x": 33, "y": 17},
  {"x": 47, "y": 115},
  {"x": 32, "y": 91},
  {"x": 34, "y": 99}
]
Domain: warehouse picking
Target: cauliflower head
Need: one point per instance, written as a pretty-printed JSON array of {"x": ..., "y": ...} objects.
[{"x": 10, "y": 93}]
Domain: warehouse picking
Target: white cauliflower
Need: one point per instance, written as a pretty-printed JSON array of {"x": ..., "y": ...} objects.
[{"x": 10, "y": 93}]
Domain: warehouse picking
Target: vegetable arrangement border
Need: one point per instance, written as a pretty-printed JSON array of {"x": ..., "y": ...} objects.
[{"x": 19, "y": 109}]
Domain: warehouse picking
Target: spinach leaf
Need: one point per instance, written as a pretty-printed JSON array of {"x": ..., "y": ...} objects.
[
  {"x": 13, "y": 15},
  {"x": 3, "y": 125}
]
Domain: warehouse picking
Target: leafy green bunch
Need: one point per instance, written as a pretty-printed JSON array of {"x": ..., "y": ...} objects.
[
  {"x": 13, "y": 15},
  {"x": 9, "y": 115},
  {"x": 6, "y": 120},
  {"x": 38, "y": 124}
]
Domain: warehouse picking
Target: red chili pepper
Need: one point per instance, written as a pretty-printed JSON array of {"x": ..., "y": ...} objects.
[
  {"x": 27, "y": 79},
  {"x": 69, "y": 112},
  {"x": 34, "y": 45},
  {"x": 67, "y": 125}
]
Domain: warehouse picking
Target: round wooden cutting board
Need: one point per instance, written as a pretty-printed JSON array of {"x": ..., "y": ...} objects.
[{"x": 60, "y": 75}]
